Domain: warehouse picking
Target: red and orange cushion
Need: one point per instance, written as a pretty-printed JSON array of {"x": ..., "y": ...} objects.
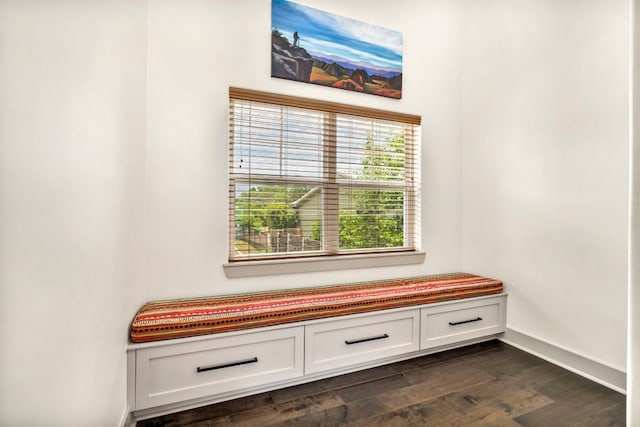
[{"x": 161, "y": 320}]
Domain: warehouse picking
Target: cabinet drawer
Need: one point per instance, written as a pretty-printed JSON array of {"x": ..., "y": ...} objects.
[
  {"x": 177, "y": 372},
  {"x": 338, "y": 343},
  {"x": 455, "y": 322}
]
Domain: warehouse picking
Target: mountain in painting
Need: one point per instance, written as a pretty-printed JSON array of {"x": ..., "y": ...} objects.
[
  {"x": 361, "y": 77},
  {"x": 333, "y": 68},
  {"x": 396, "y": 82},
  {"x": 296, "y": 63},
  {"x": 351, "y": 66},
  {"x": 287, "y": 61}
]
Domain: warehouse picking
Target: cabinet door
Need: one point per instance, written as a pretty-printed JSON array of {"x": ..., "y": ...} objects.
[
  {"x": 343, "y": 342},
  {"x": 178, "y": 372},
  {"x": 454, "y": 322}
]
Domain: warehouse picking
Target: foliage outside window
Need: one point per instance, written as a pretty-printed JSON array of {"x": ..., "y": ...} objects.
[{"x": 311, "y": 178}]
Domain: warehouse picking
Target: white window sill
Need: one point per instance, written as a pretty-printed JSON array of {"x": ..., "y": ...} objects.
[{"x": 308, "y": 265}]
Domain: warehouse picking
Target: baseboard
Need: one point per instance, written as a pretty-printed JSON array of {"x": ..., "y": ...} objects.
[
  {"x": 581, "y": 365},
  {"x": 127, "y": 420}
]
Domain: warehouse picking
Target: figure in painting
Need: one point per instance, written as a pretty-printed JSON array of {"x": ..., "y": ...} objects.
[{"x": 296, "y": 39}]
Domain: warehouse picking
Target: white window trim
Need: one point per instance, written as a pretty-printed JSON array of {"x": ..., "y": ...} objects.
[
  {"x": 331, "y": 260},
  {"x": 238, "y": 269}
]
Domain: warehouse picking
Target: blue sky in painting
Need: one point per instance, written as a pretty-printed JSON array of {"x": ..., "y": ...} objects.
[{"x": 341, "y": 39}]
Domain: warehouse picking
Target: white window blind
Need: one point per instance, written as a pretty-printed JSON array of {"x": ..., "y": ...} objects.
[{"x": 313, "y": 178}]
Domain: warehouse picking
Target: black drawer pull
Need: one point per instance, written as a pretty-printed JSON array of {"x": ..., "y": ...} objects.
[
  {"x": 379, "y": 337},
  {"x": 227, "y": 365},
  {"x": 477, "y": 319}
]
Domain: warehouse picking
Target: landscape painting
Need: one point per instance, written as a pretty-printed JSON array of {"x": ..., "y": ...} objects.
[{"x": 313, "y": 46}]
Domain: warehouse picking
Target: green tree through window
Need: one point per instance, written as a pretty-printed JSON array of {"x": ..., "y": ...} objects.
[
  {"x": 268, "y": 206},
  {"x": 375, "y": 217}
]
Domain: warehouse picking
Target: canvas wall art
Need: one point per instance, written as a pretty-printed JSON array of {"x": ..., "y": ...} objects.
[{"x": 313, "y": 46}]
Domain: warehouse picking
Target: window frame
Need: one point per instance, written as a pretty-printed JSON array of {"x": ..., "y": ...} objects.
[{"x": 331, "y": 257}]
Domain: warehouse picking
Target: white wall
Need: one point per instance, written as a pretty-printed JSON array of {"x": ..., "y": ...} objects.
[
  {"x": 633, "y": 336},
  {"x": 72, "y": 133},
  {"x": 197, "y": 49},
  {"x": 545, "y": 156}
]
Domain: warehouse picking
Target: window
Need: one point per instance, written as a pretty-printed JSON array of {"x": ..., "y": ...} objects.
[{"x": 317, "y": 179}]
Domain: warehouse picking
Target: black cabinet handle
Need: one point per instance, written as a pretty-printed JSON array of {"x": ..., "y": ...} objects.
[
  {"x": 379, "y": 337},
  {"x": 227, "y": 365},
  {"x": 477, "y": 319}
]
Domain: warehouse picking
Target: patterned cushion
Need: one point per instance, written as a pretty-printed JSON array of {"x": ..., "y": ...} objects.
[{"x": 161, "y": 320}]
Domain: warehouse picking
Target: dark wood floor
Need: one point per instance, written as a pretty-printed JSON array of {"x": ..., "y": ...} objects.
[{"x": 488, "y": 384}]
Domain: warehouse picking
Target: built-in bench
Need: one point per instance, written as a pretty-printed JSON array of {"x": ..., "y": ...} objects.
[
  {"x": 191, "y": 352},
  {"x": 161, "y": 320}
]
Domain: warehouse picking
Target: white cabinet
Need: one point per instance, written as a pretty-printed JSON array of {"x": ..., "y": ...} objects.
[
  {"x": 343, "y": 342},
  {"x": 173, "y": 373},
  {"x": 177, "y": 374},
  {"x": 462, "y": 320}
]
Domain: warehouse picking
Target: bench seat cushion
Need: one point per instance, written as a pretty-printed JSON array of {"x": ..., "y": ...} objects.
[{"x": 161, "y": 320}]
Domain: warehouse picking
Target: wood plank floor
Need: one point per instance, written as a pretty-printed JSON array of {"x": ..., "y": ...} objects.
[{"x": 487, "y": 384}]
